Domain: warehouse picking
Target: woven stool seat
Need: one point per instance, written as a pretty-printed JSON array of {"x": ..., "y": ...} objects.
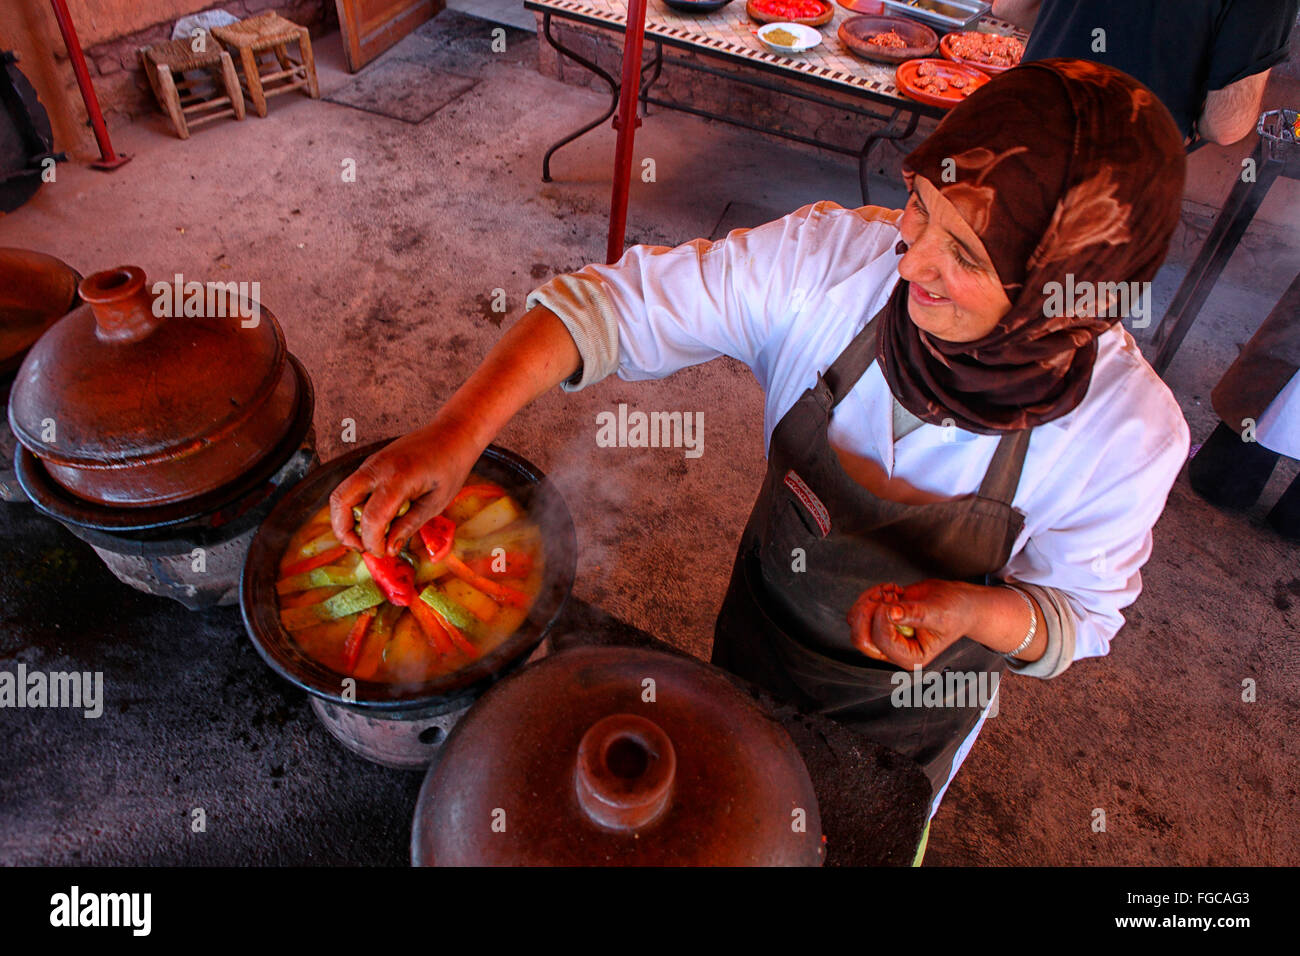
[
  {"x": 270, "y": 31},
  {"x": 192, "y": 86},
  {"x": 178, "y": 55},
  {"x": 260, "y": 32}
]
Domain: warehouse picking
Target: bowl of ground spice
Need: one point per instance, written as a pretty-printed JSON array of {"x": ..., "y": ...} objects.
[{"x": 788, "y": 38}]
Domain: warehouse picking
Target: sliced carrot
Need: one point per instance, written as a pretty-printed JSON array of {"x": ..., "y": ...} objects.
[
  {"x": 519, "y": 564},
  {"x": 449, "y": 630},
  {"x": 356, "y": 637},
  {"x": 455, "y": 634},
  {"x": 480, "y": 491},
  {"x": 499, "y": 592},
  {"x": 311, "y": 596},
  {"x": 432, "y": 625},
  {"x": 314, "y": 562}
]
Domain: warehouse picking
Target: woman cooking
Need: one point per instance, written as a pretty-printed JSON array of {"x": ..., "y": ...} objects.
[{"x": 962, "y": 476}]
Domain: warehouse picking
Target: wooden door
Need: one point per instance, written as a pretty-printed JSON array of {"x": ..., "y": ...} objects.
[{"x": 371, "y": 26}]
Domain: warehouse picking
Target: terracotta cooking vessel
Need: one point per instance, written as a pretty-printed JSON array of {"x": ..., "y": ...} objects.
[{"x": 130, "y": 408}]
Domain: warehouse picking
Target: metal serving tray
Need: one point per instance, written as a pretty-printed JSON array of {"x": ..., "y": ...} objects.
[{"x": 971, "y": 11}]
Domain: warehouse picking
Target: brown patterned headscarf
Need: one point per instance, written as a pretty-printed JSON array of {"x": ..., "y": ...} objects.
[{"x": 1060, "y": 167}]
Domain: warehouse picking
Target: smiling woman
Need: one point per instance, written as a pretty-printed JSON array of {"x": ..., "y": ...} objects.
[
  {"x": 958, "y": 478},
  {"x": 1060, "y": 170},
  {"x": 954, "y": 292}
]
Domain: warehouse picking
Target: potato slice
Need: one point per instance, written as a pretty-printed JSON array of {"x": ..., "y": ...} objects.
[{"x": 494, "y": 517}]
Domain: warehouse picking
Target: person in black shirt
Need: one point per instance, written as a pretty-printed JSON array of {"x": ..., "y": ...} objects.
[{"x": 1207, "y": 60}]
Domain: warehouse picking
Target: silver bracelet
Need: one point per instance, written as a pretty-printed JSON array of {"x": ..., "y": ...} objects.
[{"x": 1033, "y": 623}]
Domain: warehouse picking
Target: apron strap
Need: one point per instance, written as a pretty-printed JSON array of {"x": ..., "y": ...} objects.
[
  {"x": 850, "y": 364},
  {"x": 1003, "y": 475}
]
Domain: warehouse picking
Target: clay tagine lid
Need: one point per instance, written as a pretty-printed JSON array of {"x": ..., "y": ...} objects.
[
  {"x": 130, "y": 384},
  {"x": 617, "y": 756},
  {"x": 36, "y": 290}
]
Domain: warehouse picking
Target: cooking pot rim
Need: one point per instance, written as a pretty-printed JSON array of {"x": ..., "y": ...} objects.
[{"x": 260, "y": 613}]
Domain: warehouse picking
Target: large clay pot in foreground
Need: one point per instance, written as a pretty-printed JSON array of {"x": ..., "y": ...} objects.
[{"x": 617, "y": 756}]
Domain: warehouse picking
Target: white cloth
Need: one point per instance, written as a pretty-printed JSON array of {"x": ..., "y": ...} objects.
[
  {"x": 1278, "y": 428},
  {"x": 185, "y": 29},
  {"x": 786, "y": 298}
]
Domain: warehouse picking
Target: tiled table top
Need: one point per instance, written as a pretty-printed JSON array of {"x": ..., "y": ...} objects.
[{"x": 729, "y": 33}]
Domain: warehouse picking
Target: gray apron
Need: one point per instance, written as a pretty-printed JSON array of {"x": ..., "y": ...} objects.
[{"x": 783, "y": 623}]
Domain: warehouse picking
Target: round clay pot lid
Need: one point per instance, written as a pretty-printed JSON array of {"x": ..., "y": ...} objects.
[
  {"x": 617, "y": 756},
  {"x": 36, "y": 290},
  {"x": 117, "y": 383}
]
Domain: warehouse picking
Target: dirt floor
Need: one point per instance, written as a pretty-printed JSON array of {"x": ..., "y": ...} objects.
[{"x": 385, "y": 288}]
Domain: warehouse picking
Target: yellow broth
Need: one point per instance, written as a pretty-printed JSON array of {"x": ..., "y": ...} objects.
[{"x": 395, "y": 648}]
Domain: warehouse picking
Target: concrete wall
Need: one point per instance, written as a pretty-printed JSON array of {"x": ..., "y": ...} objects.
[{"x": 110, "y": 32}]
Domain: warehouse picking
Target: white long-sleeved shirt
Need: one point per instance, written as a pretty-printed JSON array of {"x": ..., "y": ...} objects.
[
  {"x": 787, "y": 297},
  {"x": 1279, "y": 425}
]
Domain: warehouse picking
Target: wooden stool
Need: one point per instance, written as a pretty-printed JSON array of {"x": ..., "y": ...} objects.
[
  {"x": 180, "y": 97},
  {"x": 270, "y": 31}
]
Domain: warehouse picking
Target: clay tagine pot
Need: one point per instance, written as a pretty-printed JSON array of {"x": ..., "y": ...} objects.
[
  {"x": 128, "y": 406},
  {"x": 36, "y": 290},
  {"x": 403, "y": 725},
  {"x": 617, "y": 756}
]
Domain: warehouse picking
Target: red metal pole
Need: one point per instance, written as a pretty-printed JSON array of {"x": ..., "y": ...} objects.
[
  {"x": 108, "y": 159},
  {"x": 626, "y": 122}
]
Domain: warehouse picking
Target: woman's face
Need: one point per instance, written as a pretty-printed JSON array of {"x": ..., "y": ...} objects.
[{"x": 955, "y": 294}]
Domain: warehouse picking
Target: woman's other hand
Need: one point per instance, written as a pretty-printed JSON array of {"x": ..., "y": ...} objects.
[{"x": 911, "y": 626}]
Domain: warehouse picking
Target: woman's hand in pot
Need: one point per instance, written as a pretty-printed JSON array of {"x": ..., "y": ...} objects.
[
  {"x": 936, "y": 613},
  {"x": 426, "y": 468}
]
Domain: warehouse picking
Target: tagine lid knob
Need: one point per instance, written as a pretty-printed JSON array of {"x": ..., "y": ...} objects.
[{"x": 145, "y": 370}]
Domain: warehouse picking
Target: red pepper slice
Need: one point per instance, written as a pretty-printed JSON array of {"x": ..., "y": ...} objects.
[
  {"x": 356, "y": 638},
  {"x": 437, "y": 534},
  {"x": 393, "y": 576}
]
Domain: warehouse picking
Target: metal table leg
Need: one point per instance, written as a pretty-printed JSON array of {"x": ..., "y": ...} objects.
[
  {"x": 1233, "y": 220},
  {"x": 888, "y": 132},
  {"x": 581, "y": 61},
  {"x": 656, "y": 64}
]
